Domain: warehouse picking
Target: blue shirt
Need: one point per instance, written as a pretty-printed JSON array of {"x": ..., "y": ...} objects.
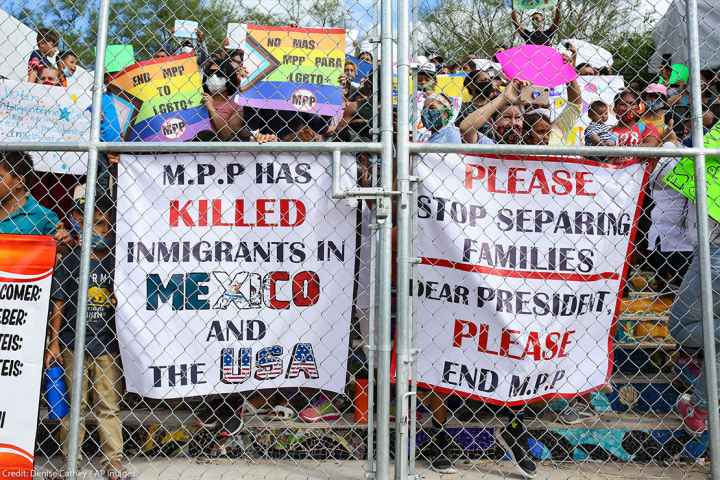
[
  {"x": 30, "y": 219},
  {"x": 449, "y": 134}
]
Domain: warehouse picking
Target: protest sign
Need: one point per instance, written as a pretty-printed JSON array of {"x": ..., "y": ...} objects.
[
  {"x": 168, "y": 94},
  {"x": 26, "y": 267},
  {"x": 533, "y": 4},
  {"x": 538, "y": 64},
  {"x": 31, "y": 112},
  {"x": 522, "y": 264},
  {"x": 118, "y": 57},
  {"x": 451, "y": 86},
  {"x": 236, "y": 34},
  {"x": 246, "y": 266},
  {"x": 603, "y": 88},
  {"x": 682, "y": 176},
  {"x": 185, "y": 29},
  {"x": 295, "y": 69}
]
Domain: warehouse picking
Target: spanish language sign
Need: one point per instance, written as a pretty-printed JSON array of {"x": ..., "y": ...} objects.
[
  {"x": 26, "y": 267},
  {"x": 296, "y": 69},
  {"x": 522, "y": 264},
  {"x": 245, "y": 266},
  {"x": 31, "y": 112},
  {"x": 682, "y": 176},
  {"x": 168, "y": 95}
]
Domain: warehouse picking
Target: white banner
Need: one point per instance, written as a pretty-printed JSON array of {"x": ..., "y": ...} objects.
[
  {"x": 30, "y": 112},
  {"x": 522, "y": 265},
  {"x": 26, "y": 266},
  {"x": 234, "y": 273}
]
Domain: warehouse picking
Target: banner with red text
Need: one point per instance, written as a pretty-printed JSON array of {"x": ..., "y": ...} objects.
[
  {"x": 522, "y": 264},
  {"x": 234, "y": 273},
  {"x": 26, "y": 267}
]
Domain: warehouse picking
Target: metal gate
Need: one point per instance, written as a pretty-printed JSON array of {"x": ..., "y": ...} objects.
[{"x": 524, "y": 355}]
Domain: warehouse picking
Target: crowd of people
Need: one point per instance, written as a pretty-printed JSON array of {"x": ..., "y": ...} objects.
[{"x": 652, "y": 115}]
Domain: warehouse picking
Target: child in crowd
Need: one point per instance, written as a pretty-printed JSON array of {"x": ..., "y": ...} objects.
[
  {"x": 101, "y": 371},
  {"x": 44, "y": 56},
  {"x": 598, "y": 133}
]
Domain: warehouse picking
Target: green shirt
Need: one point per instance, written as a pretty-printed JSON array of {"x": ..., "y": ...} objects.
[{"x": 30, "y": 219}]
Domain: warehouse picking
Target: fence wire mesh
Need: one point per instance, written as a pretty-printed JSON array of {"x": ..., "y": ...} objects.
[{"x": 554, "y": 324}]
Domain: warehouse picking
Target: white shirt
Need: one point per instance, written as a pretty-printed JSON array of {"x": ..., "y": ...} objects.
[{"x": 669, "y": 228}]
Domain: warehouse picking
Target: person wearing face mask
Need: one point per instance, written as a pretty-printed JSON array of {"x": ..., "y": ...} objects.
[
  {"x": 655, "y": 99},
  {"x": 67, "y": 64},
  {"x": 226, "y": 116},
  {"x": 436, "y": 114},
  {"x": 630, "y": 130},
  {"x": 426, "y": 77},
  {"x": 482, "y": 90},
  {"x": 195, "y": 46}
]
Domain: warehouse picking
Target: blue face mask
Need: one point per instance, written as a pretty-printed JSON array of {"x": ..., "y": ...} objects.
[
  {"x": 99, "y": 242},
  {"x": 435, "y": 120}
]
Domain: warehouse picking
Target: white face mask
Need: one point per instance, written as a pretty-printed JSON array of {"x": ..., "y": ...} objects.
[
  {"x": 186, "y": 50},
  {"x": 216, "y": 84}
]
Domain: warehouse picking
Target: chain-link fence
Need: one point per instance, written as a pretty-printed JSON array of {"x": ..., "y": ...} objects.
[{"x": 264, "y": 215}]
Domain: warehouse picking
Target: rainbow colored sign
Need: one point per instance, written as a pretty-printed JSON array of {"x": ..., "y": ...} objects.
[
  {"x": 295, "y": 69},
  {"x": 167, "y": 93}
]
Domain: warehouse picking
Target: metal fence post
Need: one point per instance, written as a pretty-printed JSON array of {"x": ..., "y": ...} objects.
[
  {"x": 403, "y": 336},
  {"x": 706, "y": 290},
  {"x": 384, "y": 215},
  {"x": 74, "y": 446}
]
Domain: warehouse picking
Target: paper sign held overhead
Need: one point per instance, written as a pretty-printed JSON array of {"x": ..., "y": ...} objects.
[
  {"x": 542, "y": 66},
  {"x": 117, "y": 57},
  {"x": 185, "y": 29},
  {"x": 236, "y": 34}
]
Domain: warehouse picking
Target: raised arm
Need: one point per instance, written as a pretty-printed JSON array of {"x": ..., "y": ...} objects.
[
  {"x": 473, "y": 122},
  {"x": 556, "y": 17},
  {"x": 516, "y": 21}
]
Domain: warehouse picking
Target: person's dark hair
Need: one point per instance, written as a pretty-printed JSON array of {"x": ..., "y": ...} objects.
[
  {"x": 580, "y": 66},
  {"x": 597, "y": 105},
  {"x": 530, "y": 119},
  {"x": 47, "y": 35},
  {"x": 625, "y": 93},
  {"x": 67, "y": 53},
  {"x": 225, "y": 70},
  {"x": 19, "y": 164},
  {"x": 104, "y": 204},
  {"x": 238, "y": 52},
  {"x": 474, "y": 85}
]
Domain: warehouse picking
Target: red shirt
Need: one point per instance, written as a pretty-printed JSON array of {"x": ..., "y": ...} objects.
[{"x": 635, "y": 135}]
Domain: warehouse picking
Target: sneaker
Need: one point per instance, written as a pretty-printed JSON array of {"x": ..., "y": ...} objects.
[
  {"x": 575, "y": 413},
  {"x": 514, "y": 439},
  {"x": 442, "y": 465},
  {"x": 684, "y": 406},
  {"x": 437, "y": 452},
  {"x": 322, "y": 410},
  {"x": 696, "y": 421}
]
